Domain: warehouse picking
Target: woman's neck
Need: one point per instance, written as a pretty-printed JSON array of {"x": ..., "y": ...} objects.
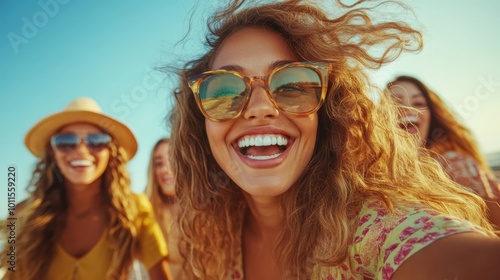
[
  {"x": 168, "y": 200},
  {"x": 263, "y": 224},
  {"x": 83, "y": 199},
  {"x": 264, "y": 219}
]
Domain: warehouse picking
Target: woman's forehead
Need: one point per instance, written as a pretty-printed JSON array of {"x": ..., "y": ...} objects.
[
  {"x": 254, "y": 48},
  {"x": 405, "y": 90}
]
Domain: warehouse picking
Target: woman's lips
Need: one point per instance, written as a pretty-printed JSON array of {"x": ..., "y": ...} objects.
[
  {"x": 167, "y": 180},
  {"x": 80, "y": 164},
  {"x": 268, "y": 153},
  {"x": 410, "y": 124},
  {"x": 262, "y": 146},
  {"x": 411, "y": 129}
]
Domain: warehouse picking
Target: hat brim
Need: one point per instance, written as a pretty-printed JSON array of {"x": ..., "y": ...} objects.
[{"x": 39, "y": 135}]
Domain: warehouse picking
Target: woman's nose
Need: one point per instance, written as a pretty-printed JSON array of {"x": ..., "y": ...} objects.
[
  {"x": 260, "y": 105},
  {"x": 82, "y": 148}
]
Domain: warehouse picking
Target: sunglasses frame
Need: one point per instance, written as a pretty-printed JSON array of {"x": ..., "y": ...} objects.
[
  {"x": 321, "y": 68},
  {"x": 80, "y": 138}
]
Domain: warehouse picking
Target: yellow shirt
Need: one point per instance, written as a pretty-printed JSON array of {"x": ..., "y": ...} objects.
[{"x": 94, "y": 265}]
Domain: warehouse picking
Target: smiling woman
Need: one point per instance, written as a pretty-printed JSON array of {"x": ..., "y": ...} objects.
[
  {"x": 305, "y": 177},
  {"x": 81, "y": 220},
  {"x": 160, "y": 189},
  {"x": 425, "y": 115}
]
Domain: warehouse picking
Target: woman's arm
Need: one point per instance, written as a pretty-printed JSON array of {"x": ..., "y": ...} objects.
[
  {"x": 467, "y": 172},
  {"x": 494, "y": 212},
  {"x": 152, "y": 246},
  {"x": 160, "y": 271},
  {"x": 457, "y": 257}
]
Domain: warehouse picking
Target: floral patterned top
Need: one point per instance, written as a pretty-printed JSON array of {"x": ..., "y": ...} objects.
[
  {"x": 383, "y": 241},
  {"x": 466, "y": 172}
]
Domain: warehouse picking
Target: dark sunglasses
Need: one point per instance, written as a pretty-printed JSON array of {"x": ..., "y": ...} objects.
[
  {"x": 297, "y": 88},
  {"x": 66, "y": 142}
]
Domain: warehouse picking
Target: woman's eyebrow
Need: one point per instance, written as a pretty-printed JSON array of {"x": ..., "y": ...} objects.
[
  {"x": 232, "y": 68},
  {"x": 279, "y": 63}
]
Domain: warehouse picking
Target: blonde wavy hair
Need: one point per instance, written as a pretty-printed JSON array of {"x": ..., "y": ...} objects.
[
  {"x": 360, "y": 153},
  {"x": 156, "y": 196},
  {"x": 44, "y": 217},
  {"x": 446, "y": 133}
]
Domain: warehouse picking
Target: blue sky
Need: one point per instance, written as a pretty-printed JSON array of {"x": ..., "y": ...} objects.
[{"x": 54, "y": 51}]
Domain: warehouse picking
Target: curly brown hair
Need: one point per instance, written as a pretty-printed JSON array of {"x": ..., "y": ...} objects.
[{"x": 360, "y": 153}]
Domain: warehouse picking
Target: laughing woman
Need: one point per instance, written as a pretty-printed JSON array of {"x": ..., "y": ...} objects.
[
  {"x": 286, "y": 169},
  {"x": 426, "y": 116},
  {"x": 81, "y": 219}
]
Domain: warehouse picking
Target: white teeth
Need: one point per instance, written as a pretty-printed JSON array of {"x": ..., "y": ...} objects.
[
  {"x": 80, "y": 162},
  {"x": 264, "y": 157},
  {"x": 258, "y": 141},
  {"x": 262, "y": 140},
  {"x": 409, "y": 119}
]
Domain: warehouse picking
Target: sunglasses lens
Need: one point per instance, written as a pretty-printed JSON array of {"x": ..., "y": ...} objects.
[
  {"x": 64, "y": 142},
  {"x": 223, "y": 95},
  {"x": 296, "y": 89},
  {"x": 69, "y": 142},
  {"x": 98, "y": 141}
]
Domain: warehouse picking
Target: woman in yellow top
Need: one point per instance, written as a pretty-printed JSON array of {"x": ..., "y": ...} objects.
[
  {"x": 81, "y": 220},
  {"x": 160, "y": 189}
]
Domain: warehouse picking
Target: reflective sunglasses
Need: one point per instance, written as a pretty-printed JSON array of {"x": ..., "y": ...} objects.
[
  {"x": 67, "y": 142},
  {"x": 297, "y": 88}
]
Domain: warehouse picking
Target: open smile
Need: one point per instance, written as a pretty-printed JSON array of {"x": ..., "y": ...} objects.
[
  {"x": 410, "y": 124},
  {"x": 263, "y": 146},
  {"x": 80, "y": 164}
]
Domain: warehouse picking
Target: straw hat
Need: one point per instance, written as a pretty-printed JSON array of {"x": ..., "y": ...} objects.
[{"x": 83, "y": 110}]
